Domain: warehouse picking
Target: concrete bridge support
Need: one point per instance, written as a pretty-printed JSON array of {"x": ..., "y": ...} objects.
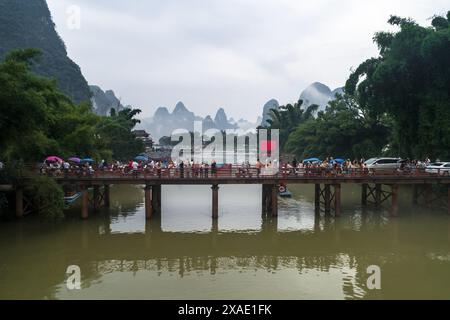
[
  {"x": 274, "y": 201},
  {"x": 394, "y": 201},
  {"x": 19, "y": 203},
  {"x": 270, "y": 199},
  {"x": 337, "y": 200},
  {"x": 330, "y": 197},
  {"x": 106, "y": 196},
  {"x": 148, "y": 202},
  {"x": 448, "y": 199},
  {"x": 215, "y": 201},
  {"x": 364, "y": 194},
  {"x": 156, "y": 198},
  {"x": 378, "y": 192},
  {"x": 317, "y": 191},
  {"x": 85, "y": 204},
  {"x": 376, "y": 196},
  {"x": 96, "y": 198}
]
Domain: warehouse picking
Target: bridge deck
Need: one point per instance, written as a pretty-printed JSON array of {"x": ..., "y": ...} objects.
[{"x": 142, "y": 179}]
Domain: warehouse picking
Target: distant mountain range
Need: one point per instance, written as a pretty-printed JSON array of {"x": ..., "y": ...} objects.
[
  {"x": 28, "y": 24},
  {"x": 163, "y": 122}
]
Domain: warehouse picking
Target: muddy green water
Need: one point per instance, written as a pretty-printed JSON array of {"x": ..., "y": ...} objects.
[{"x": 184, "y": 255}]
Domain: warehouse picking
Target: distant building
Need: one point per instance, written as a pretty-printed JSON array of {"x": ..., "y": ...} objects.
[{"x": 145, "y": 137}]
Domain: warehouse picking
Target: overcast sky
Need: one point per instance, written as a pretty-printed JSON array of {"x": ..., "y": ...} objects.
[{"x": 235, "y": 54}]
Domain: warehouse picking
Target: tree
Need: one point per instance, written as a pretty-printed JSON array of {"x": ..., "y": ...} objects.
[
  {"x": 410, "y": 82},
  {"x": 342, "y": 130},
  {"x": 38, "y": 120},
  {"x": 288, "y": 117}
]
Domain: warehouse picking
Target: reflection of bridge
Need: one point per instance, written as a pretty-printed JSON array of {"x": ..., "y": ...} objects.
[
  {"x": 376, "y": 188},
  {"x": 97, "y": 251}
]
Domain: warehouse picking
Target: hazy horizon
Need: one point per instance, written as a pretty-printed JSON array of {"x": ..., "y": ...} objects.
[{"x": 231, "y": 54}]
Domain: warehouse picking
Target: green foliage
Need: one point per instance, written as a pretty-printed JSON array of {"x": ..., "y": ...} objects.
[
  {"x": 409, "y": 81},
  {"x": 288, "y": 117},
  {"x": 48, "y": 195},
  {"x": 116, "y": 134},
  {"x": 342, "y": 130},
  {"x": 38, "y": 120}
]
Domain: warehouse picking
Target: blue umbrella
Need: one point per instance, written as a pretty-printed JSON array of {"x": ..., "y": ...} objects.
[
  {"x": 339, "y": 161},
  {"x": 312, "y": 160},
  {"x": 87, "y": 160},
  {"x": 141, "y": 158}
]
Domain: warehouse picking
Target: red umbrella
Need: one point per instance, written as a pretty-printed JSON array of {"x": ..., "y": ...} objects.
[{"x": 53, "y": 159}]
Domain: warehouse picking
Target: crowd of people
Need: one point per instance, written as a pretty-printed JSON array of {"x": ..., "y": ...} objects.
[{"x": 182, "y": 168}]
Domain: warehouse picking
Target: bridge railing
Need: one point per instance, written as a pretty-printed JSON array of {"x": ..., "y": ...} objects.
[{"x": 226, "y": 171}]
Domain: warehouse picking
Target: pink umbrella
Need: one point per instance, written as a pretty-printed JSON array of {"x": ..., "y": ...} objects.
[{"x": 53, "y": 159}]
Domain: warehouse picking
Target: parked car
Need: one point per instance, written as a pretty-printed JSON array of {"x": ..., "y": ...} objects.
[
  {"x": 377, "y": 164},
  {"x": 442, "y": 168}
]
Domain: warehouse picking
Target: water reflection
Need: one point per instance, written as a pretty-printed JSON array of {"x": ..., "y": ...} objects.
[{"x": 183, "y": 253}]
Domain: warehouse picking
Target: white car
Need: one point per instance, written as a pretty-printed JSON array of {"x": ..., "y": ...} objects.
[
  {"x": 442, "y": 168},
  {"x": 383, "y": 163}
]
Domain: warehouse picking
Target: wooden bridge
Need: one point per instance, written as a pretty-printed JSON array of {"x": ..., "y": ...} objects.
[{"x": 377, "y": 188}]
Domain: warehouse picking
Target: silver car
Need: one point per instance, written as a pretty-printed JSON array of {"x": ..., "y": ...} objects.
[
  {"x": 377, "y": 164},
  {"x": 441, "y": 168}
]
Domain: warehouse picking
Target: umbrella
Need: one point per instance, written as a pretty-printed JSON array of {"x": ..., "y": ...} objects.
[
  {"x": 339, "y": 161},
  {"x": 53, "y": 159},
  {"x": 75, "y": 159},
  {"x": 87, "y": 160},
  {"x": 141, "y": 158},
  {"x": 312, "y": 160}
]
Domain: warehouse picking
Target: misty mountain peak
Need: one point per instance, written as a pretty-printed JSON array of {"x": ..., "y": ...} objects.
[
  {"x": 180, "y": 108},
  {"x": 271, "y": 104},
  {"x": 161, "y": 112}
]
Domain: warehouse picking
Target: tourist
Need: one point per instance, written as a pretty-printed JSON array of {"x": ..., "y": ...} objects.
[
  {"x": 294, "y": 166},
  {"x": 206, "y": 170},
  {"x": 258, "y": 167},
  {"x": 181, "y": 167},
  {"x": 214, "y": 168}
]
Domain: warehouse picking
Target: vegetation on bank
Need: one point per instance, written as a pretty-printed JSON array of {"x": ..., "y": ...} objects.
[
  {"x": 395, "y": 104},
  {"x": 38, "y": 120}
]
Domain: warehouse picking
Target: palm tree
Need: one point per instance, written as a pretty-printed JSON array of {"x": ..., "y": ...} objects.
[{"x": 288, "y": 117}]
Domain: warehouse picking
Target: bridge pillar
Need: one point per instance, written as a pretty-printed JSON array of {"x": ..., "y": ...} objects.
[
  {"x": 96, "y": 196},
  {"x": 337, "y": 200},
  {"x": 274, "y": 201},
  {"x": 378, "y": 191},
  {"x": 215, "y": 201},
  {"x": 317, "y": 199},
  {"x": 327, "y": 199},
  {"x": 156, "y": 198},
  {"x": 106, "y": 197},
  {"x": 364, "y": 194},
  {"x": 448, "y": 199},
  {"x": 85, "y": 204},
  {"x": 264, "y": 199},
  {"x": 148, "y": 202},
  {"x": 428, "y": 195},
  {"x": 19, "y": 203},
  {"x": 394, "y": 198},
  {"x": 415, "y": 194}
]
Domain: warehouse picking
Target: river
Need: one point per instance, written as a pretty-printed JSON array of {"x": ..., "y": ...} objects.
[{"x": 183, "y": 254}]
